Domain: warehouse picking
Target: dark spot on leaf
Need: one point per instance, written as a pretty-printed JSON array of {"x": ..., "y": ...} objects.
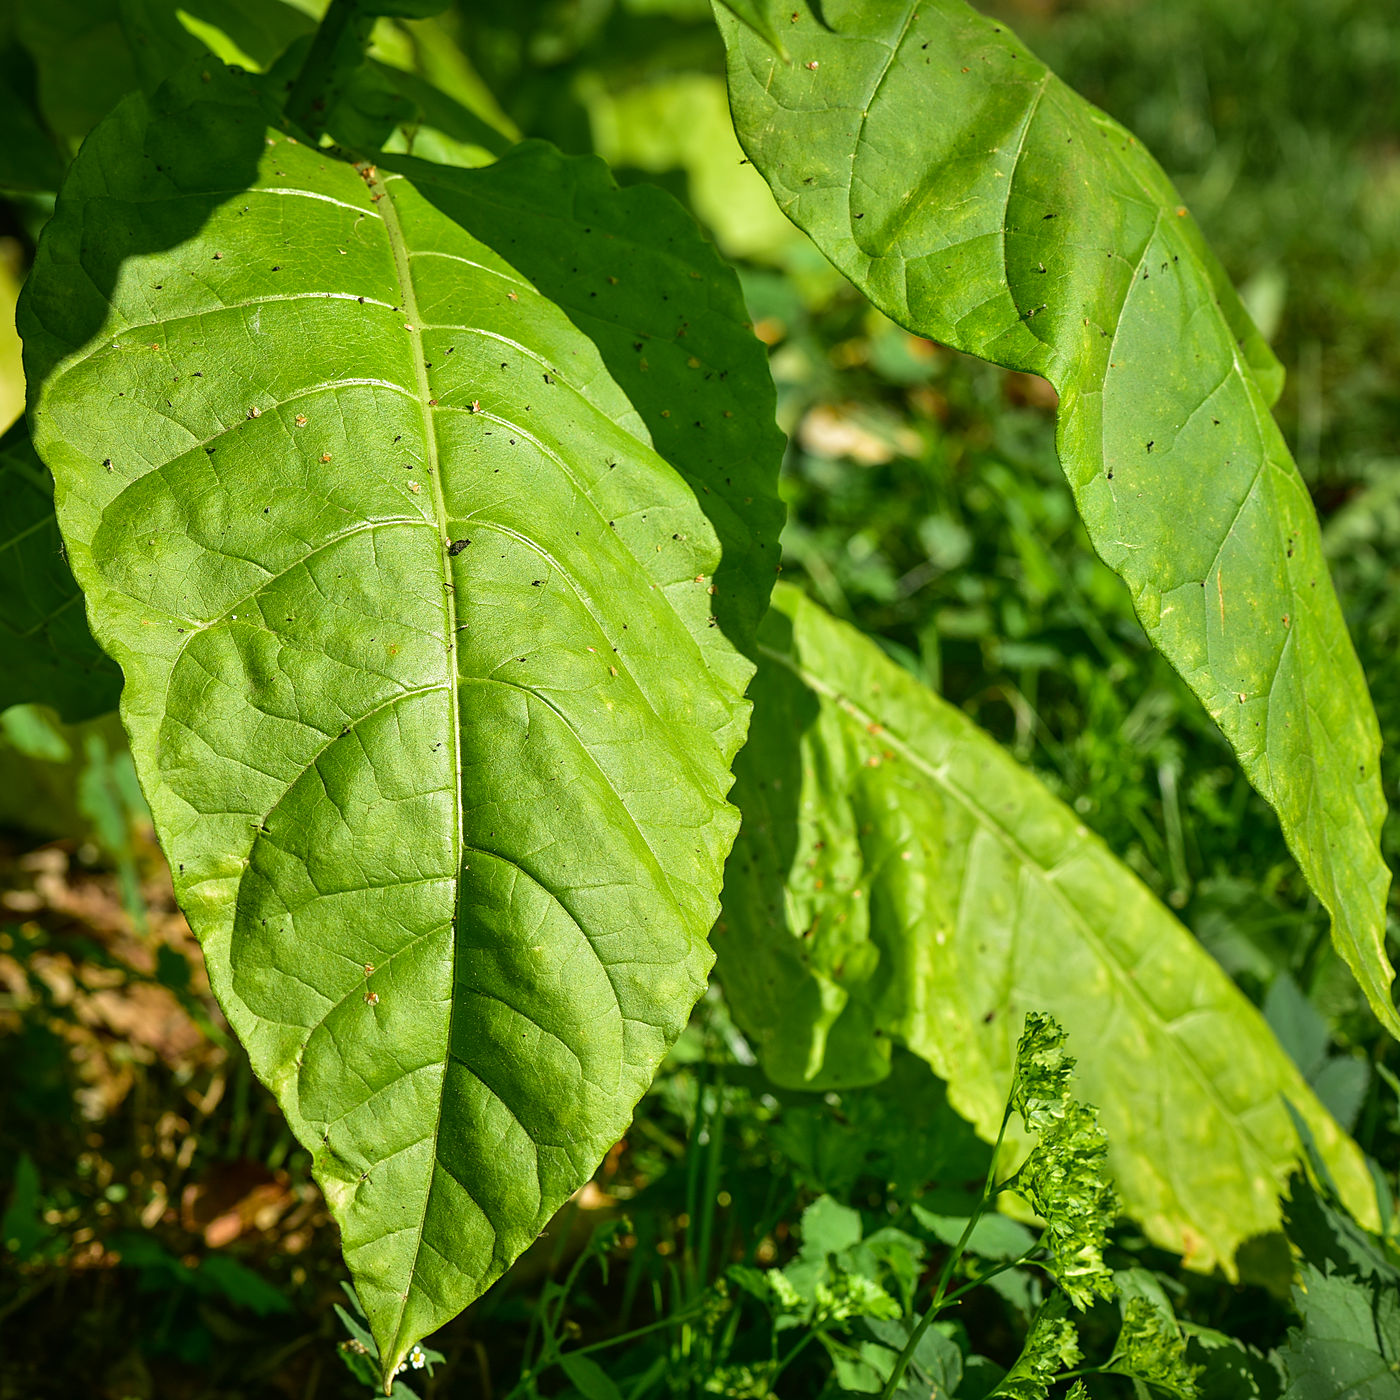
[{"x": 457, "y": 546}]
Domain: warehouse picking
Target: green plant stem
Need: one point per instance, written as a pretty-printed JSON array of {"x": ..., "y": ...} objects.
[
  {"x": 684, "y": 1315},
  {"x": 991, "y": 1273},
  {"x": 946, "y": 1273},
  {"x": 694, "y": 1157},
  {"x": 791, "y": 1356},
  {"x": 708, "y": 1202},
  {"x": 337, "y": 51}
]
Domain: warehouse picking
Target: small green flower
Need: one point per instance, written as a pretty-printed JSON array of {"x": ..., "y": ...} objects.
[
  {"x": 1040, "y": 1082},
  {"x": 1065, "y": 1179},
  {"x": 1052, "y": 1346},
  {"x": 1151, "y": 1349}
]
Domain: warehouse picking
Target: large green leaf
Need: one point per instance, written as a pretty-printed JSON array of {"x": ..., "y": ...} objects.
[
  {"x": 899, "y": 878},
  {"x": 979, "y": 201},
  {"x": 47, "y": 655},
  {"x": 423, "y": 679}
]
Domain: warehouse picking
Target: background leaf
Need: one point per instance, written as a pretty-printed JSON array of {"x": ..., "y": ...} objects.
[
  {"x": 979, "y": 201},
  {"x": 89, "y": 53},
  {"x": 1348, "y": 1347},
  {"x": 423, "y": 682},
  {"x": 900, "y": 878}
]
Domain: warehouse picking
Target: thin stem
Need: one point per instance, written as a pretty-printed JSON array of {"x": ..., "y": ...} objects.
[
  {"x": 946, "y": 1273},
  {"x": 791, "y": 1357},
  {"x": 709, "y": 1200},
  {"x": 336, "y": 52},
  {"x": 991, "y": 1273},
  {"x": 683, "y": 1316},
  {"x": 694, "y": 1157}
]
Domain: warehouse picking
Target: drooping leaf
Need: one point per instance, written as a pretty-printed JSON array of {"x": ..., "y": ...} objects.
[
  {"x": 900, "y": 878},
  {"x": 47, "y": 654},
  {"x": 979, "y": 201},
  {"x": 424, "y": 683}
]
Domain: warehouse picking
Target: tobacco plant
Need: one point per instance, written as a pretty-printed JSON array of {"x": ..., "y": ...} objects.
[{"x": 419, "y": 489}]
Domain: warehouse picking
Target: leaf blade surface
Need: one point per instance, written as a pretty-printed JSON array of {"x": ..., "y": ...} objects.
[
  {"x": 434, "y": 737},
  {"x": 900, "y": 878},
  {"x": 979, "y": 201}
]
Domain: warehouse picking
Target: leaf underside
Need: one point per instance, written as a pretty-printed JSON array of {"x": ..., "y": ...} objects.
[
  {"x": 425, "y": 684},
  {"x": 47, "y": 655},
  {"x": 899, "y": 877},
  {"x": 979, "y": 201}
]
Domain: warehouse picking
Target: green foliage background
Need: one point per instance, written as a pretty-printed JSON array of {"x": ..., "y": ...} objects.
[{"x": 925, "y": 506}]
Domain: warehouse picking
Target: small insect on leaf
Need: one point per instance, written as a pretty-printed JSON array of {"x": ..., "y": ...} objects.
[{"x": 457, "y": 546}]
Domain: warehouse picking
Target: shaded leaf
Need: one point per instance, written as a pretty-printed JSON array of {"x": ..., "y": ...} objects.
[
  {"x": 424, "y": 685},
  {"x": 993, "y": 1236},
  {"x": 979, "y": 201},
  {"x": 589, "y": 1377},
  {"x": 1327, "y": 1237},
  {"x": 900, "y": 878},
  {"x": 29, "y": 160},
  {"x": 90, "y": 53},
  {"x": 47, "y": 654},
  {"x": 22, "y": 1228},
  {"x": 1348, "y": 1347}
]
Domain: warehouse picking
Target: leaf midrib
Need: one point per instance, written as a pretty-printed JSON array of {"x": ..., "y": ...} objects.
[
  {"x": 989, "y": 823},
  {"x": 379, "y": 185}
]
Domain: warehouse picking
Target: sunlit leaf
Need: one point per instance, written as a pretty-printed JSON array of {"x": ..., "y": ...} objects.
[
  {"x": 979, "y": 201},
  {"x": 428, "y": 682},
  {"x": 901, "y": 879}
]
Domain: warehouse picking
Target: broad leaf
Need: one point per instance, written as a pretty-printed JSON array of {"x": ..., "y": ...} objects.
[
  {"x": 1348, "y": 1296},
  {"x": 979, "y": 201},
  {"x": 901, "y": 879},
  {"x": 424, "y": 683},
  {"x": 47, "y": 655},
  {"x": 1348, "y": 1347}
]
